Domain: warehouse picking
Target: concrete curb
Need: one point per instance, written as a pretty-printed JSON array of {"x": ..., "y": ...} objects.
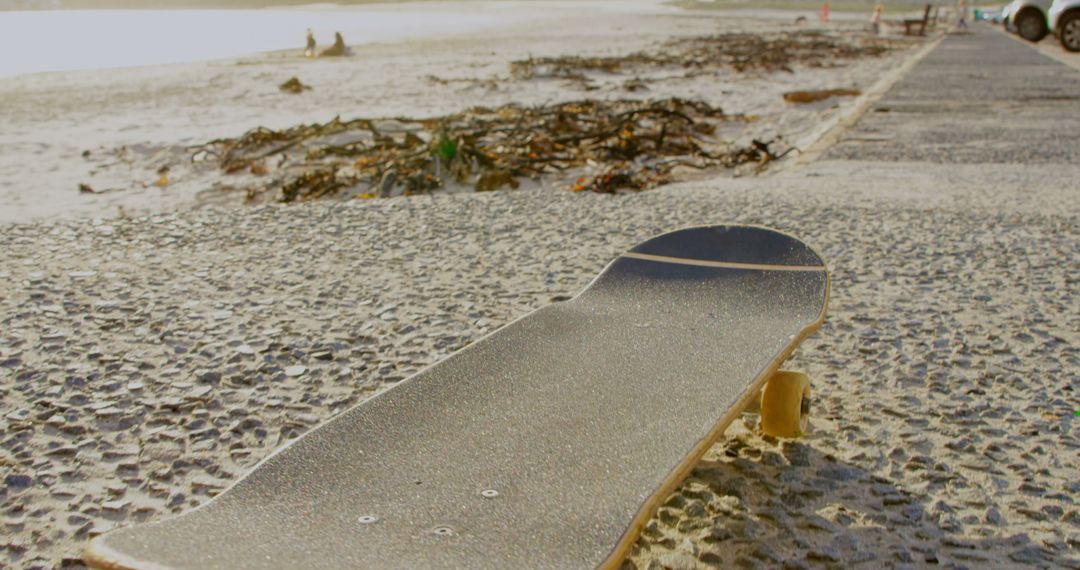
[{"x": 829, "y": 131}]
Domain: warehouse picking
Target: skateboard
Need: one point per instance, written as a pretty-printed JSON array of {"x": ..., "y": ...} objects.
[{"x": 547, "y": 444}]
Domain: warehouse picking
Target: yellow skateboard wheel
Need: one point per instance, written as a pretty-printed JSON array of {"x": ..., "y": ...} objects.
[{"x": 785, "y": 404}]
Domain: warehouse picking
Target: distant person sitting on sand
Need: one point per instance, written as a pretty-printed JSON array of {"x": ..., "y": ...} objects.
[
  {"x": 310, "y": 51},
  {"x": 337, "y": 49},
  {"x": 875, "y": 20}
]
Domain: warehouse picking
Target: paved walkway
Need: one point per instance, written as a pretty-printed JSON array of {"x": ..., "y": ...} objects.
[
  {"x": 980, "y": 98},
  {"x": 983, "y": 122}
]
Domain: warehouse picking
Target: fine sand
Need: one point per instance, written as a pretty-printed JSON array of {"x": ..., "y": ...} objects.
[{"x": 148, "y": 362}]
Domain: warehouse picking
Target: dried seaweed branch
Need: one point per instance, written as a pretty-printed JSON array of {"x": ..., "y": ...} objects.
[
  {"x": 639, "y": 144},
  {"x": 741, "y": 52}
]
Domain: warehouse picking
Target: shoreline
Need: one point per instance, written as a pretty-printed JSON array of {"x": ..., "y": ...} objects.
[
  {"x": 175, "y": 37},
  {"x": 186, "y": 5}
]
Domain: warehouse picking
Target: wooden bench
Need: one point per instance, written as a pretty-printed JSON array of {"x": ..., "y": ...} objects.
[{"x": 911, "y": 25}]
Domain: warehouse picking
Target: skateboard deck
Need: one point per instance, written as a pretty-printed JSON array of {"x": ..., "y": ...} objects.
[{"x": 547, "y": 444}]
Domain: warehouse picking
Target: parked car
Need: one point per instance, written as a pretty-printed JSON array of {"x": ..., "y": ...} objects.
[
  {"x": 1028, "y": 17},
  {"x": 1064, "y": 20},
  {"x": 1005, "y": 15}
]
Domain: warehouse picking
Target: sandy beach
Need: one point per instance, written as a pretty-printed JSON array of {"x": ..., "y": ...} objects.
[
  {"x": 158, "y": 342},
  {"x": 130, "y": 122},
  {"x": 149, "y": 362}
]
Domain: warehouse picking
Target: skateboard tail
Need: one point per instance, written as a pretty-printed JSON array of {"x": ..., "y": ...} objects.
[{"x": 777, "y": 259}]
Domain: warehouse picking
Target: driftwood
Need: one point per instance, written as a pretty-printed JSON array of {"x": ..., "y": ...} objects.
[{"x": 819, "y": 95}]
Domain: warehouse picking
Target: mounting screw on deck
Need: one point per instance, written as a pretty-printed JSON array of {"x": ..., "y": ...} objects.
[
  {"x": 368, "y": 519},
  {"x": 443, "y": 531},
  {"x": 489, "y": 493}
]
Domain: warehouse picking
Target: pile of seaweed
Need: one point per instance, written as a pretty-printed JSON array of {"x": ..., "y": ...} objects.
[
  {"x": 598, "y": 146},
  {"x": 739, "y": 51},
  {"x": 777, "y": 52}
]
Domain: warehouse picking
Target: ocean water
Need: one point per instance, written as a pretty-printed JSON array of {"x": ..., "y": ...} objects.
[{"x": 41, "y": 41}]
